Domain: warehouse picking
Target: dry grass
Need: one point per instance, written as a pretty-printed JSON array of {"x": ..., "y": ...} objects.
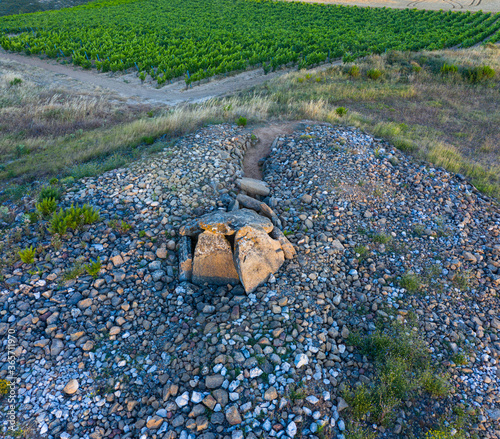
[
  {"x": 445, "y": 119},
  {"x": 442, "y": 118}
]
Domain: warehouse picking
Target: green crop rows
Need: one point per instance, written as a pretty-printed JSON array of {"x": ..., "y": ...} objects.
[{"x": 198, "y": 39}]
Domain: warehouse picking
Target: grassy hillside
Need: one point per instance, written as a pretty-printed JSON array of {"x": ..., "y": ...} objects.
[
  {"x": 440, "y": 106},
  {"x": 11, "y": 7},
  {"x": 195, "y": 40}
]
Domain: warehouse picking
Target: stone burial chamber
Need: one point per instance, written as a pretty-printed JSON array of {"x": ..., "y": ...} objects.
[{"x": 232, "y": 247}]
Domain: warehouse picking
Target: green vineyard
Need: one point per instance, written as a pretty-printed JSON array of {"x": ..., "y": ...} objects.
[{"x": 195, "y": 39}]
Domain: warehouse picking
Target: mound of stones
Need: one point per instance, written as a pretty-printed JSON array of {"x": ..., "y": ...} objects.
[
  {"x": 138, "y": 352},
  {"x": 231, "y": 247}
]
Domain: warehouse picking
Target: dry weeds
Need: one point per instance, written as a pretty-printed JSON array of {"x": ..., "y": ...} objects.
[{"x": 441, "y": 118}]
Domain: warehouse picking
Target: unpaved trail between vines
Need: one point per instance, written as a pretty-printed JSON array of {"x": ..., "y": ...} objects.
[{"x": 129, "y": 86}]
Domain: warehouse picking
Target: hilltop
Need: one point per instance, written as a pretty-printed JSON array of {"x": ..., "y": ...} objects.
[{"x": 375, "y": 204}]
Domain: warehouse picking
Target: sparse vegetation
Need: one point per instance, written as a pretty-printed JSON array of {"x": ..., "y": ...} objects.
[
  {"x": 403, "y": 366},
  {"x": 411, "y": 282},
  {"x": 73, "y": 218},
  {"x": 93, "y": 268},
  {"x": 47, "y": 206},
  {"x": 76, "y": 270},
  {"x": 4, "y": 388},
  {"x": 27, "y": 255},
  {"x": 241, "y": 121},
  {"x": 61, "y": 149}
]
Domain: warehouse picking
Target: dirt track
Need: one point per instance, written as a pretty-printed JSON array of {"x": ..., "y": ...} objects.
[
  {"x": 446, "y": 5},
  {"x": 129, "y": 86}
]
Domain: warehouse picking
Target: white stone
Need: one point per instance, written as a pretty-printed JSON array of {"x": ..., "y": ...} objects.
[
  {"x": 255, "y": 372},
  {"x": 291, "y": 429},
  {"x": 312, "y": 399},
  {"x": 301, "y": 360},
  {"x": 182, "y": 400},
  {"x": 196, "y": 397}
]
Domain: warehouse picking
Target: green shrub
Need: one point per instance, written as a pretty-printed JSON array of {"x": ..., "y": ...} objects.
[
  {"x": 93, "y": 267},
  {"x": 411, "y": 282},
  {"x": 49, "y": 192},
  {"x": 354, "y": 71},
  {"x": 27, "y": 255},
  {"x": 15, "y": 81},
  {"x": 478, "y": 74},
  {"x": 148, "y": 140},
  {"x": 241, "y": 121},
  {"x": 362, "y": 251},
  {"x": 403, "y": 369},
  {"x": 21, "y": 150},
  {"x": 47, "y": 206},
  {"x": 360, "y": 401},
  {"x": 374, "y": 74},
  {"x": 142, "y": 76},
  {"x": 415, "y": 67},
  {"x": 73, "y": 218},
  {"x": 341, "y": 111},
  {"x": 53, "y": 181},
  {"x": 382, "y": 238},
  {"x": 436, "y": 385},
  {"x": 4, "y": 388},
  {"x": 75, "y": 271},
  {"x": 448, "y": 68}
]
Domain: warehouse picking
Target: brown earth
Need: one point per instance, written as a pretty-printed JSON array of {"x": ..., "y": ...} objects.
[{"x": 130, "y": 87}]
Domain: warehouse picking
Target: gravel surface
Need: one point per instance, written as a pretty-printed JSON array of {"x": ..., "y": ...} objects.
[{"x": 134, "y": 353}]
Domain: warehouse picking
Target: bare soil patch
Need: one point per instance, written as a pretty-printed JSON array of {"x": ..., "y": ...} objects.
[
  {"x": 266, "y": 136},
  {"x": 446, "y": 5},
  {"x": 130, "y": 87}
]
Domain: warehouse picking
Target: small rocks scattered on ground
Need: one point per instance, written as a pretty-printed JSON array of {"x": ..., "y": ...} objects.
[{"x": 138, "y": 353}]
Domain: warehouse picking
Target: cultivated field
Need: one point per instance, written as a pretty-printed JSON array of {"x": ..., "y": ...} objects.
[{"x": 168, "y": 39}]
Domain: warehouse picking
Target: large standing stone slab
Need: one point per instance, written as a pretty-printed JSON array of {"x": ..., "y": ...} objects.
[
  {"x": 256, "y": 256},
  {"x": 213, "y": 261}
]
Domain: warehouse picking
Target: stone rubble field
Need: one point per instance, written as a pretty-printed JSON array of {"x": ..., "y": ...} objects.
[{"x": 135, "y": 353}]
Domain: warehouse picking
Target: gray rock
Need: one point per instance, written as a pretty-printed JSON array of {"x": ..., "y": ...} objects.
[
  {"x": 185, "y": 259},
  {"x": 214, "y": 381},
  {"x": 253, "y": 186}
]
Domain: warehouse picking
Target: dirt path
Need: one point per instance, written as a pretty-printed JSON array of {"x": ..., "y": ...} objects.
[
  {"x": 446, "y": 5},
  {"x": 266, "y": 135},
  {"x": 130, "y": 87}
]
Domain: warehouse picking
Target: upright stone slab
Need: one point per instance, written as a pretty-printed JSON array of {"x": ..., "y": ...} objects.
[
  {"x": 213, "y": 261},
  {"x": 256, "y": 256},
  {"x": 185, "y": 259}
]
